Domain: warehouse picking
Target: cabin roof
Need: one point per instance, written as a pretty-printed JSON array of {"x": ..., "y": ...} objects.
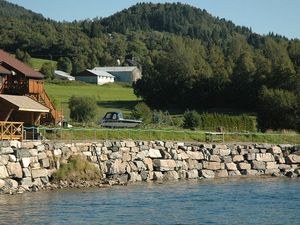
[
  {"x": 100, "y": 73},
  {"x": 4, "y": 71},
  {"x": 116, "y": 68},
  {"x": 10, "y": 63},
  {"x": 24, "y": 103}
]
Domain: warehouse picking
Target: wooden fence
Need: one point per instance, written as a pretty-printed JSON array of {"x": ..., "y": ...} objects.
[{"x": 11, "y": 130}]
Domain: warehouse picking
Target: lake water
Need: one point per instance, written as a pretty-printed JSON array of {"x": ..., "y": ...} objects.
[{"x": 222, "y": 201}]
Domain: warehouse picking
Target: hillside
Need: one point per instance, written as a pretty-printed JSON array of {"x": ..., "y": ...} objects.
[
  {"x": 177, "y": 18},
  {"x": 13, "y": 11}
]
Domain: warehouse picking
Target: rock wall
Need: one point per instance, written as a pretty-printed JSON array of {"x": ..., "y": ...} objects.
[{"x": 27, "y": 166}]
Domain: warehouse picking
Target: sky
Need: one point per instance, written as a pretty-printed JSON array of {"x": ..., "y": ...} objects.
[{"x": 262, "y": 16}]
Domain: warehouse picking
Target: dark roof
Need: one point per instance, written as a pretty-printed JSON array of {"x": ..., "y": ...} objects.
[
  {"x": 4, "y": 71},
  {"x": 11, "y": 63}
]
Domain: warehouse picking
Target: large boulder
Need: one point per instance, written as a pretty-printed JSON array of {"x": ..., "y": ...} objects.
[
  {"x": 164, "y": 164},
  {"x": 238, "y": 158},
  {"x": 14, "y": 170},
  {"x": 36, "y": 173},
  {"x": 274, "y": 150},
  {"x": 4, "y": 160},
  {"x": 265, "y": 157},
  {"x": 221, "y": 173},
  {"x": 192, "y": 174},
  {"x": 154, "y": 153},
  {"x": 244, "y": 166},
  {"x": 171, "y": 175},
  {"x": 258, "y": 165},
  {"x": 212, "y": 165},
  {"x": 3, "y": 172},
  {"x": 6, "y": 150},
  {"x": 195, "y": 155},
  {"x": 293, "y": 159},
  {"x": 207, "y": 173},
  {"x": 230, "y": 166}
]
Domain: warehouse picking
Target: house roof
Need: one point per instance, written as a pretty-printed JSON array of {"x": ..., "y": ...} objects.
[
  {"x": 11, "y": 63},
  {"x": 116, "y": 68},
  {"x": 24, "y": 103},
  {"x": 4, "y": 71},
  {"x": 100, "y": 73},
  {"x": 63, "y": 74}
]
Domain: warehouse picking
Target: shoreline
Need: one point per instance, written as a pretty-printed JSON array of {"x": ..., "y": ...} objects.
[{"x": 29, "y": 166}]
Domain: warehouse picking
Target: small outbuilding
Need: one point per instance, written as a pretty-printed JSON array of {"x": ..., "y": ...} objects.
[
  {"x": 61, "y": 75},
  {"x": 127, "y": 74},
  {"x": 95, "y": 77}
]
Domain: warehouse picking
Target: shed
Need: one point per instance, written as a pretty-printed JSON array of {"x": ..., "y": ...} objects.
[
  {"x": 21, "y": 108},
  {"x": 63, "y": 75},
  {"x": 95, "y": 77},
  {"x": 127, "y": 74}
]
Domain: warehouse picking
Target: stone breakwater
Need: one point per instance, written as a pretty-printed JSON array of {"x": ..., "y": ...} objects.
[{"x": 28, "y": 166}]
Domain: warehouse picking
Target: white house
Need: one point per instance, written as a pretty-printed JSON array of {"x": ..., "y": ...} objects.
[
  {"x": 95, "y": 77},
  {"x": 63, "y": 75},
  {"x": 126, "y": 74}
]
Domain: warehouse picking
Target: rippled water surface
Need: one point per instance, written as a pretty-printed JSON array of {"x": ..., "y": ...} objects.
[{"x": 228, "y": 201}]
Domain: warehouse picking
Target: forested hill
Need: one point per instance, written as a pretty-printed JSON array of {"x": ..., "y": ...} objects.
[
  {"x": 177, "y": 18},
  {"x": 189, "y": 58},
  {"x": 9, "y": 10}
]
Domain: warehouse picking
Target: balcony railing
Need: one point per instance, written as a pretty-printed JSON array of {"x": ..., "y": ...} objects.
[{"x": 11, "y": 130}]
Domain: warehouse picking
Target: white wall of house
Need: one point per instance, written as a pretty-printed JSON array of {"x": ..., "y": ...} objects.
[{"x": 103, "y": 80}]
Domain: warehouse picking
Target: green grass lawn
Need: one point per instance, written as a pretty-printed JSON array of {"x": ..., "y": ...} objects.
[
  {"x": 37, "y": 63},
  {"x": 113, "y": 97}
]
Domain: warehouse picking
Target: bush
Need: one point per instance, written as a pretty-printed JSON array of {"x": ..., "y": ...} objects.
[
  {"x": 143, "y": 112},
  {"x": 48, "y": 70},
  {"x": 191, "y": 119},
  {"x": 278, "y": 109},
  {"x": 82, "y": 109},
  {"x": 76, "y": 170}
]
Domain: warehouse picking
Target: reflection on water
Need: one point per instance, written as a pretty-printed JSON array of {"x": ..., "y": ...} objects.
[{"x": 223, "y": 201}]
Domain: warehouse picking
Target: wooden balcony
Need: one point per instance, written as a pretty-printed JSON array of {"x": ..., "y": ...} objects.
[{"x": 11, "y": 130}]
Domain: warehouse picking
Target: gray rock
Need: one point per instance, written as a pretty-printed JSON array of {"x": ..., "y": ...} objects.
[
  {"x": 192, "y": 164},
  {"x": 212, "y": 165},
  {"x": 279, "y": 159},
  {"x": 6, "y": 150},
  {"x": 141, "y": 155},
  {"x": 11, "y": 183},
  {"x": 15, "y": 144},
  {"x": 27, "y": 182},
  {"x": 36, "y": 173},
  {"x": 230, "y": 166},
  {"x": 293, "y": 159},
  {"x": 140, "y": 165},
  {"x": 250, "y": 156},
  {"x": 274, "y": 150},
  {"x": 145, "y": 175},
  {"x": 249, "y": 172},
  {"x": 234, "y": 173},
  {"x": 271, "y": 165},
  {"x": 154, "y": 154},
  {"x": 195, "y": 155},
  {"x": 238, "y": 158},
  {"x": 183, "y": 174},
  {"x": 182, "y": 155},
  {"x": 3, "y": 160},
  {"x": 12, "y": 158},
  {"x": 258, "y": 165},
  {"x": 45, "y": 163},
  {"x": 244, "y": 166},
  {"x": 214, "y": 158},
  {"x": 192, "y": 174},
  {"x": 3, "y": 172},
  {"x": 225, "y": 152},
  {"x": 25, "y": 162},
  {"x": 148, "y": 163},
  {"x": 221, "y": 173},
  {"x": 26, "y": 172},
  {"x": 165, "y": 154},
  {"x": 164, "y": 164},
  {"x": 171, "y": 175},
  {"x": 265, "y": 157},
  {"x": 207, "y": 174},
  {"x": 157, "y": 176},
  {"x": 2, "y": 183},
  {"x": 14, "y": 170}
]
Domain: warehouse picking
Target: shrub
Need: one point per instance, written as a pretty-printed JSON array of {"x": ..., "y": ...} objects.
[
  {"x": 82, "y": 109},
  {"x": 278, "y": 109},
  {"x": 48, "y": 70},
  {"x": 191, "y": 119},
  {"x": 143, "y": 112},
  {"x": 77, "y": 169}
]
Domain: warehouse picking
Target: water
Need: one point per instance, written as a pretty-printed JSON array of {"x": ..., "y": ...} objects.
[{"x": 228, "y": 201}]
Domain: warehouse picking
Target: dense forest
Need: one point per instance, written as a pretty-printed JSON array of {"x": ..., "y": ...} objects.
[{"x": 189, "y": 58}]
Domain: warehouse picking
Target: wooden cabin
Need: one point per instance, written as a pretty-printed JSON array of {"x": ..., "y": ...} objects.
[{"x": 22, "y": 94}]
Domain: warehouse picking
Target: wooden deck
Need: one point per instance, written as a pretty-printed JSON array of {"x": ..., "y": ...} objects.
[{"x": 11, "y": 130}]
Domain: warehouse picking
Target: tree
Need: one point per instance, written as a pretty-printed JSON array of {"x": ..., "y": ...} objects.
[
  {"x": 64, "y": 64},
  {"x": 48, "y": 70},
  {"x": 278, "y": 109},
  {"x": 191, "y": 119},
  {"x": 143, "y": 112},
  {"x": 82, "y": 109},
  {"x": 23, "y": 56}
]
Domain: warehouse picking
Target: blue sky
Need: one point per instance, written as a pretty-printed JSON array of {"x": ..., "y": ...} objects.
[{"x": 263, "y": 16}]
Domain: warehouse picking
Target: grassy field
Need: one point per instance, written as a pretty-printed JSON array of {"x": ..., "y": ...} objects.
[
  {"x": 37, "y": 63},
  {"x": 112, "y": 97}
]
